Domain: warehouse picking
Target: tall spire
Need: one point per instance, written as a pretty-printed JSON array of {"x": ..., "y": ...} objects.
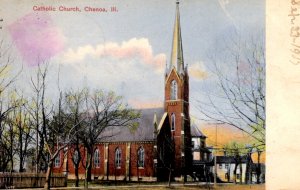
[{"x": 177, "y": 54}]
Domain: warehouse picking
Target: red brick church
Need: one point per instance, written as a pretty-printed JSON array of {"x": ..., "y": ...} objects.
[{"x": 162, "y": 140}]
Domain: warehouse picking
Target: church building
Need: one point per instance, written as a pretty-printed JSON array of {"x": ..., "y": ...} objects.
[{"x": 161, "y": 143}]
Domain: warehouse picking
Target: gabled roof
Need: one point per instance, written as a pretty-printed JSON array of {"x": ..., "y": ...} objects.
[
  {"x": 195, "y": 132},
  {"x": 162, "y": 122},
  {"x": 145, "y": 131}
]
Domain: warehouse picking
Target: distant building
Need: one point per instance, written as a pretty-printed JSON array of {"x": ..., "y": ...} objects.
[
  {"x": 201, "y": 156},
  {"x": 199, "y": 149},
  {"x": 226, "y": 166}
]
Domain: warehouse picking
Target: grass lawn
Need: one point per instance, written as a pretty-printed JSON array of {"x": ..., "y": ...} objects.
[
  {"x": 223, "y": 187},
  {"x": 163, "y": 186}
]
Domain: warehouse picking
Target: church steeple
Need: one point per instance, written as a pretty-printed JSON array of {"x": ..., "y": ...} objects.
[
  {"x": 176, "y": 103},
  {"x": 177, "y": 53}
]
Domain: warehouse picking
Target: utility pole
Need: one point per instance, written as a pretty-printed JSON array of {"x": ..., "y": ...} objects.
[
  {"x": 215, "y": 154},
  {"x": 215, "y": 176}
]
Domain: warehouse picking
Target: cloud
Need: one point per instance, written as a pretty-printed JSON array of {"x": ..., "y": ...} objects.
[
  {"x": 129, "y": 50},
  {"x": 36, "y": 38},
  {"x": 196, "y": 71},
  {"x": 129, "y": 68}
]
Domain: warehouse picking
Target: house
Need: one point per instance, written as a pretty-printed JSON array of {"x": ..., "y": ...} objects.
[
  {"x": 199, "y": 149},
  {"x": 201, "y": 155},
  {"x": 161, "y": 143},
  {"x": 226, "y": 166}
]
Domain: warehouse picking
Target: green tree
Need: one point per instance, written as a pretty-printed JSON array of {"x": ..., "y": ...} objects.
[{"x": 237, "y": 150}]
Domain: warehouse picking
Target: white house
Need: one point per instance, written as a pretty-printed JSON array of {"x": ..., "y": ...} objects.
[{"x": 225, "y": 169}]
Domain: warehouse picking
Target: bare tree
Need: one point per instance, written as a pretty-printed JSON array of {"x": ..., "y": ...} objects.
[
  {"x": 53, "y": 130},
  {"x": 10, "y": 131},
  {"x": 75, "y": 109},
  {"x": 40, "y": 112},
  {"x": 238, "y": 97},
  {"x": 7, "y": 78},
  {"x": 105, "y": 110},
  {"x": 4, "y": 160},
  {"x": 20, "y": 121},
  {"x": 9, "y": 137},
  {"x": 59, "y": 136}
]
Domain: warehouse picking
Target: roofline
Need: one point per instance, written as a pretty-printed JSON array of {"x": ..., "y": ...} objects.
[
  {"x": 163, "y": 118},
  {"x": 122, "y": 142},
  {"x": 199, "y": 136}
]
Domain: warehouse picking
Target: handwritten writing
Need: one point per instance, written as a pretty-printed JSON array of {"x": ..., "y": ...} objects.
[{"x": 294, "y": 32}]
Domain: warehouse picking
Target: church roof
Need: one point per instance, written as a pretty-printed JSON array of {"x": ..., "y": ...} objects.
[
  {"x": 195, "y": 131},
  {"x": 145, "y": 131},
  {"x": 162, "y": 121}
]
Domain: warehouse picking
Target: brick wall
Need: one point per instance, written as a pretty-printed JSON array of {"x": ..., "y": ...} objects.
[
  {"x": 180, "y": 107},
  {"x": 128, "y": 168}
]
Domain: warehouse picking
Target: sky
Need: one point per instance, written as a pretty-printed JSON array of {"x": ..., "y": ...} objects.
[{"x": 124, "y": 51}]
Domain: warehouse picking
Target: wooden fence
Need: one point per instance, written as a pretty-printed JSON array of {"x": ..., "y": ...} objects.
[{"x": 30, "y": 180}]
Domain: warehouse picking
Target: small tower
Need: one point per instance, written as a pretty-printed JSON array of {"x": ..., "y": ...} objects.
[{"x": 176, "y": 102}]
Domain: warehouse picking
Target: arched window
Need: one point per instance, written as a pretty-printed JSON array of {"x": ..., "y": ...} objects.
[
  {"x": 118, "y": 158},
  {"x": 75, "y": 157},
  {"x": 173, "y": 121},
  {"x": 173, "y": 90},
  {"x": 141, "y": 157},
  {"x": 97, "y": 158},
  {"x": 57, "y": 161}
]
